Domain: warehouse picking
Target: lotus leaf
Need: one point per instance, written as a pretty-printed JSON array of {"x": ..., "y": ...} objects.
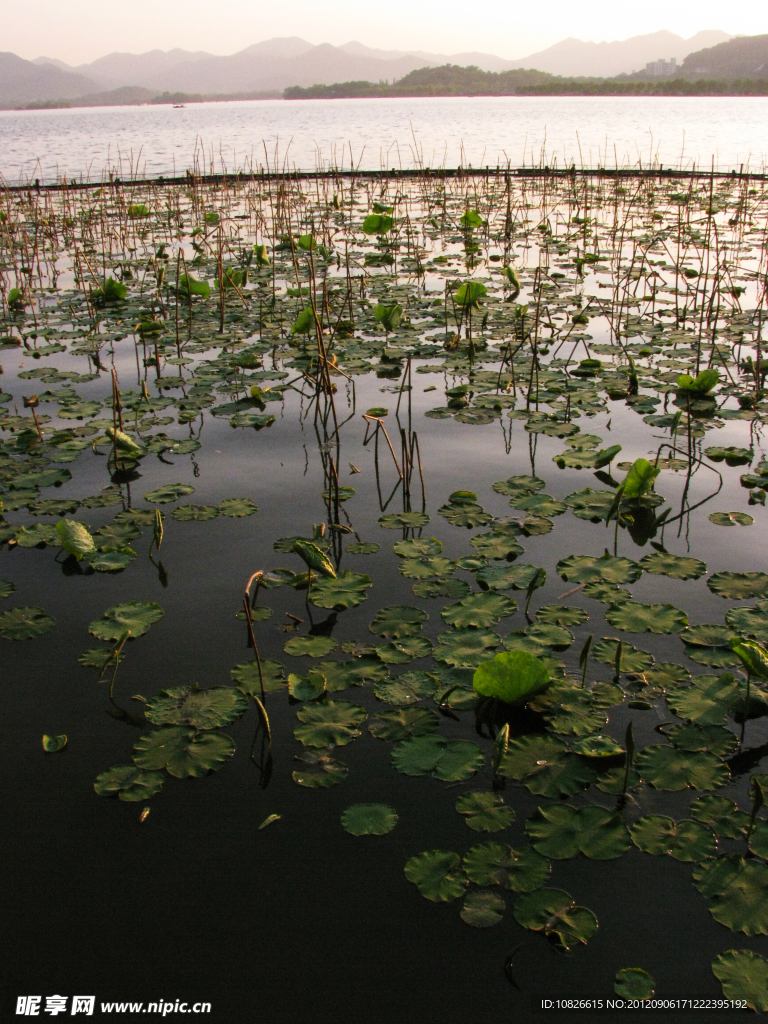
[
  {"x": 6, "y": 588},
  {"x": 517, "y": 486},
  {"x": 647, "y": 618},
  {"x": 485, "y": 811},
  {"x": 546, "y": 766},
  {"x": 248, "y": 680},
  {"x": 730, "y": 519},
  {"x": 737, "y": 891},
  {"x": 128, "y": 782},
  {"x": 739, "y": 586},
  {"x": 449, "y": 760},
  {"x": 561, "y": 615},
  {"x": 307, "y": 687},
  {"x": 450, "y": 588},
  {"x": 707, "y": 635},
  {"x": 707, "y": 701},
  {"x": 540, "y": 505},
  {"x": 362, "y": 548},
  {"x": 112, "y": 561},
  {"x": 722, "y": 815},
  {"x": 369, "y": 819},
  {"x": 744, "y": 977},
  {"x": 330, "y": 724},
  {"x": 498, "y": 864},
  {"x": 437, "y": 874},
  {"x": 673, "y": 769},
  {"x": 75, "y": 538},
  {"x": 606, "y": 569},
  {"x": 758, "y": 839},
  {"x": 202, "y": 709},
  {"x": 598, "y": 746},
  {"x": 167, "y": 493},
  {"x": 422, "y": 547},
  {"x": 25, "y": 623},
  {"x": 553, "y": 912},
  {"x": 550, "y": 635},
  {"x": 346, "y": 591},
  {"x": 185, "y": 752},
  {"x": 633, "y": 983},
  {"x": 403, "y": 722},
  {"x": 513, "y": 677},
  {"x": 502, "y": 577},
  {"x": 750, "y": 621},
  {"x": 198, "y": 513},
  {"x": 684, "y": 840},
  {"x": 631, "y": 659},
  {"x": 496, "y": 545},
  {"x": 590, "y": 505},
  {"x": 465, "y": 648},
  {"x": 398, "y": 621},
  {"x": 321, "y": 771},
  {"x": 403, "y": 520},
  {"x": 703, "y": 737},
  {"x": 676, "y": 566},
  {"x": 406, "y": 688},
  {"x": 38, "y": 533},
  {"x": 341, "y": 674},
  {"x": 426, "y": 568},
  {"x": 311, "y": 646},
  {"x": 53, "y": 744},
  {"x": 560, "y": 831},
  {"x": 482, "y": 909},
  {"x": 467, "y": 514},
  {"x": 480, "y": 609}
]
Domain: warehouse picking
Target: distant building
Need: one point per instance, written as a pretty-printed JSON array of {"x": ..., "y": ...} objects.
[{"x": 661, "y": 68}]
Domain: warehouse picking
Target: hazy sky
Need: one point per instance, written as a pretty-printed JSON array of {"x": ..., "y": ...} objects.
[{"x": 81, "y": 30}]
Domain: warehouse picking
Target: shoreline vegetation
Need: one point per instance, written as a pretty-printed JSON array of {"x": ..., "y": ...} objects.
[{"x": 447, "y": 80}]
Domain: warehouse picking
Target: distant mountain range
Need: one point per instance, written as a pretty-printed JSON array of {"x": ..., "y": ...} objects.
[
  {"x": 270, "y": 66},
  {"x": 742, "y": 57}
]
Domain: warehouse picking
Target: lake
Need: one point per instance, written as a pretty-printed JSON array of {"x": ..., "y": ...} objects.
[{"x": 385, "y": 133}]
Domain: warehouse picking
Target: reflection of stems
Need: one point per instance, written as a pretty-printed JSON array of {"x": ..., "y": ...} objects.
[
  {"x": 116, "y": 656},
  {"x": 584, "y": 658},
  {"x": 630, "y": 744},
  {"x": 746, "y": 710},
  {"x": 249, "y": 620}
]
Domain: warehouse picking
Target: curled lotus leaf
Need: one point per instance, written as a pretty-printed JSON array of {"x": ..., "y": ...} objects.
[
  {"x": 403, "y": 520},
  {"x": 319, "y": 771},
  {"x": 311, "y": 646},
  {"x": 329, "y": 724},
  {"x": 482, "y": 909},
  {"x": 647, "y": 618},
  {"x": 202, "y": 709},
  {"x": 485, "y": 811},
  {"x": 498, "y": 864},
  {"x": 398, "y": 621},
  {"x": 559, "y": 831},
  {"x": 513, "y": 677},
  {"x": 6, "y": 588},
  {"x": 672, "y": 769},
  {"x": 75, "y": 538},
  {"x": 561, "y": 615},
  {"x": 402, "y": 722},
  {"x": 721, "y": 815},
  {"x": 167, "y": 493},
  {"x": 553, "y": 912},
  {"x": 605, "y": 569},
  {"x": 481, "y": 609},
  {"x": 135, "y": 616},
  {"x": 369, "y": 819},
  {"x": 684, "y": 840},
  {"x": 744, "y": 977},
  {"x": 347, "y": 590},
  {"x": 546, "y": 766},
  {"x": 633, "y": 983},
  {"x": 25, "y": 623},
  {"x": 128, "y": 783},
  {"x": 185, "y": 752},
  {"x": 739, "y": 586},
  {"x": 437, "y": 874},
  {"x": 678, "y": 567}
]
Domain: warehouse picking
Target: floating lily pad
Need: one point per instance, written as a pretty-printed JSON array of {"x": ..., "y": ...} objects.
[
  {"x": 466, "y": 514},
  {"x": 128, "y": 782},
  {"x": 25, "y": 623},
  {"x": 37, "y": 533},
  {"x": 398, "y": 621},
  {"x": 421, "y": 547},
  {"x": 167, "y": 493},
  {"x": 553, "y": 912},
  {"x": 647, "y": 618},
  {"x": 437, "y": 874},
  {"x": 707, "y": 701},
  {"x": 606, "y": 569},
  {"x": 750, "y": 621},
  {"x": 6, "y": 588},
  {"x": 400, "y": 652},
  {"x": 483, "y": 609},
  {"x": 465, "y": 648},
  {"x": 631, "y": 659},
  {"x": 704, "y": 737},
  {"x": 341, "y": 674},
  {"x": 330, "y": 724},
  {"x": 502, "y": 577},
  {"x": 517, "y": 486},
  {"x": 347, "y": 590},
  {"x": 203, "y": 709},
  {"x": 758, "y": 839},
  {"x": 445, "y": 587},
  {"x": 198, "y": 513},
  {"x": 677, "y": 567},
  {"x": 561, "y": 615},
  {"x": 185, "y": 752},
  {"x": 482, "y": 909},
  {"x": 135, "y": 616},
  {"x": 498, "y": 864},
  {"x": 633, "y": 983},
  {"x": 737, "y": 891},
  {"x": 403, "y": 722},
  {"x": 449, "y": 760},
  {"x": 546, "y": 766},
  {"x": 248, "y": 680},
  {"x": 673, "y": 769},
  {"x": 369, "y": 819},
  {"x": 591, "y": 505},
  {"x": 307, "y": 687},
  {"x": 550, "y": 635},
  {"x": 310, "y": 646},
  {"x": 721, "y": 815},
  {"x": 320, "y": 771},
  {"x": 362, "y": 548},
  {"x": 112, "y": 561},
  {"x": 739, "y": 586},
  {"x": 684, "y": 840},
  {"x": 559, "y": 831},
  {"x": 540, "y": 505},
  {"x": 730, "y": 519},
  {"x": 744, "y": 977},
  {"x": 403, "y": 520},
  {"x": 236, "y": 508},
  {"x": 426, "y": 568},
  {"x": 485, "y": 811},
  {"x": 407, "y": 688},
  {"x": 598, "y": 746}
]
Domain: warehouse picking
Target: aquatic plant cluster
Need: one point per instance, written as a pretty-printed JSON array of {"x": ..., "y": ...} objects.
[{"x": 531, "y": 307}]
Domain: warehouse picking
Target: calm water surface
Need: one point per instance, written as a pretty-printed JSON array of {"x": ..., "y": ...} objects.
[{"x": 385, "y": 133}]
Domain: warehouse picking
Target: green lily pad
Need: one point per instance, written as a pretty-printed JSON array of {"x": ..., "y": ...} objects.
[
  {"x": 128, "y": 782},
  {"x": 606, "y": 569},
  {"x": 426, "y": 568},
  {"x": 482, "y": 909},
  {"x": 607, "y": 593},
  {"x": 590, "y": 505},
  {"x": 739, "y": 586},
  {"x": 496, "y": 545},
  {"x": 561, "y": 615},
  {"x": 465, "y": 648},
  {"x": 449, "y": 760},
  {"x": 672, "y": 769},
  {"x": 403, "y": 520},
  {"x": 713, "y": 738},
  {"x": 185, "y": 752},
  {"x": 466, "y": 514},
  {"x": 444, "y": 587},
  {"x": 437, "y": 874},
  {"x": 647, "y": 618},
  {"x": 550, "y": 635},
  {"x": 707, "y": 701},
  {"x": 758, "y": 839},
  {"x": 402, "y": 722},
  {"x": 362, "y": 548},
  {"x": 518, "y": 640},
  {"x": 400, "y": 652},
  {"x": 633, "y": 983},
  {"x": 75, "y": 538},
  {"x": 347, "y": 590},
  {"x": 744, "y": 977},
  {"x": 560, "y": 831},
  {"x": 37, "y": 533},
  {"x": 677, "y": 567},
  {"x": 167, "y": 493},
  {"x": 485, "y": 811},
  {"x": 684, "y": 840},
  {"x": 421, "y": 547},
  {"x": 707, "y": 635},
  {"x": 612, "y": 781},
  {"x": 330, "y": 724},
  {"x": 750, "y": 621},
  {"x": 481, "y": 609},
  {"x": 737, "y": 891},
  {"x": 135, "y": 616},
  {"x": 236, "y": 508},
  {"x": 310, "y": 646},
  {"x": 369, "y": 819},
  {"x": 203, "y": 709},
  {"x": 721, "y": 815},
  {"x": 320, "y": 771},
  {"x": 112, "y": 561},
  {"x": 307, "y": 687},
  {"x": 513, "y": 677},
  {"x": 598, "y": 746},
  {"x": 398, "y": 621},
  {"x": 540, "y": 505},
  {"x": 502, "y": 577},
  {"x": 407, "y": 688},
  {"x": 517, "y": 486},
  {"x": 553, "y": 912},
  {"x": 25, "y": 623},
  {"x": 247, "y": 677},
  {"x": 197, "y": 513},
  {"x": 546, "y": 766},
  {"x": 498, "y": 864},
  {"x": 631, "y": 659},
  {"x": 341, "y": 674},
  {"x": 730, "y": 519},
  {"x": 6, "y": 588},
  {"x": 54, "y": 744}
]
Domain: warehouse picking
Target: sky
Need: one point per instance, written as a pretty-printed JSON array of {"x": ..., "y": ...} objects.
[{"x": 78, "y": 31}]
